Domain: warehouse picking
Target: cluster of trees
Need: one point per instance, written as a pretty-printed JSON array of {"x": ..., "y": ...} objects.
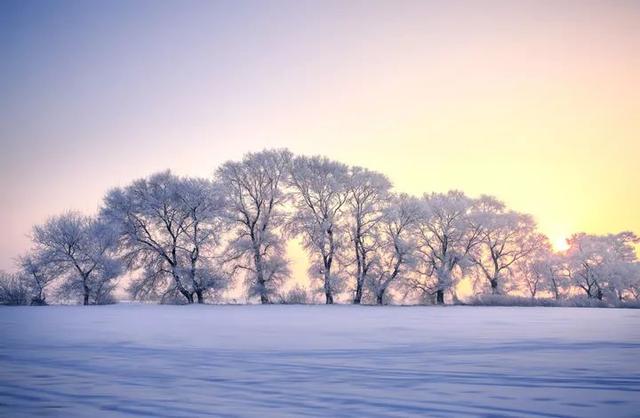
[{"x": 187, "y": 240}]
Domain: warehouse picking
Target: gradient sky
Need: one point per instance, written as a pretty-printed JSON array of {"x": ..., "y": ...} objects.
[{"x": 537, "y": 102}]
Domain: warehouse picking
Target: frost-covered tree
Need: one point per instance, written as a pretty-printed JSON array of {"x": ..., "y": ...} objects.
[
  {"x": 602, "y": 265},
  {"x": 320, "y": 192},
  {"x": 633, "y": 282},
  {"x": 506, "y": 237},
  {"x": 13, "y": 289},
  {"x": 204, "y": 202},
  {"x": 368, "y": 194},
  {"x": 447, "y": 233},
  {"x": 255, "y": 196},
  {"x": 80, "y": 249},
  {"x": 624, "y": 281},
  {"x": 38, "y": 273},
  {"x": 169, "y": 228},
  {"x": 549, "y": 267},
  {"x": 395, "y": 251},
  {"x": 538, "y": 271}
]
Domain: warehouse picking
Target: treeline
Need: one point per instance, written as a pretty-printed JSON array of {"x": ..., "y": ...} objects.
[{"x": 188, "y": 240}]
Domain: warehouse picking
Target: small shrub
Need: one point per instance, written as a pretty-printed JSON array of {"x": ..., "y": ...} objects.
[{"x": 296, "y": 296}]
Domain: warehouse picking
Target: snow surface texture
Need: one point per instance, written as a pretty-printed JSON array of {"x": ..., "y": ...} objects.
[{"x": 175, "y": 361}]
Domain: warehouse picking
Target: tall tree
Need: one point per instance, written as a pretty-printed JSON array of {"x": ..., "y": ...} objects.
[
  {"x": 169, "y": 228},
  {"x": 505, "y": 238},
  {"x": 368, "y": 193},
  {"x": 255, "y": 194},
  {"x": 447, "y": 234},
  {"x": 395, "y": 253},
  {"x": 80, "y": 249},
  {"x": 204, "y": 202},
  {"x": 320, "y": 194}
]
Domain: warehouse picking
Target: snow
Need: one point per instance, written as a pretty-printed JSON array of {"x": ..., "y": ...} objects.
[{"x": 174, "y": 361}]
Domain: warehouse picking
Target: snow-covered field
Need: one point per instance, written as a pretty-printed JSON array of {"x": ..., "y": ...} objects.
[{"x": 174, "y": 361}]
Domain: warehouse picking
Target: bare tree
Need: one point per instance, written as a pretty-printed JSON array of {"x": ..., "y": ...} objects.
[
  {"x": 395, "y": 252},
  {"x": 169, "y": 228},
  {"x": 320, "y": 194},
  {"x": 255, "y": 194},
  {"x": 80, "y": 249},
  {"x": 368, "y": 193}
]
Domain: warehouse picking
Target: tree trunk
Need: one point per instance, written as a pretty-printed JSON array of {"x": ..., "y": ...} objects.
[
  {"x": 257, "y": 259},
  {"x": 494, "y": 286},
  {"x": 329, "y": 297},
  {"x": 85, "y": 288},
  {"x": 358, "y": 298},
  {"x": 444, "y": 281},
  {"x": 380, "y": 297},
  {"x": 264, "y": 298},
  {"x": 188, "y": 296},
  {"x": 327, "y": 289},
  {"x": 327, "y": 282},
  {"x": 183, "y": 291},
  {"x": 200, "y": 296},
  {"x": 39, "y": 299}
]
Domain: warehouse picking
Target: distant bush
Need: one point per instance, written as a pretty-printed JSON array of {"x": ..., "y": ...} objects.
[
  {"x": 583, "y": 302},
  {"x": 504, "y": 300},
  {"x": 296, "y": 296},
  {"x": 575, "y": 302},
  {"x": 629, "y": 304}
]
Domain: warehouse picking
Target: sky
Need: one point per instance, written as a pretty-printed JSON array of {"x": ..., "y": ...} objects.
[{"x": 537, "y": 103}]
